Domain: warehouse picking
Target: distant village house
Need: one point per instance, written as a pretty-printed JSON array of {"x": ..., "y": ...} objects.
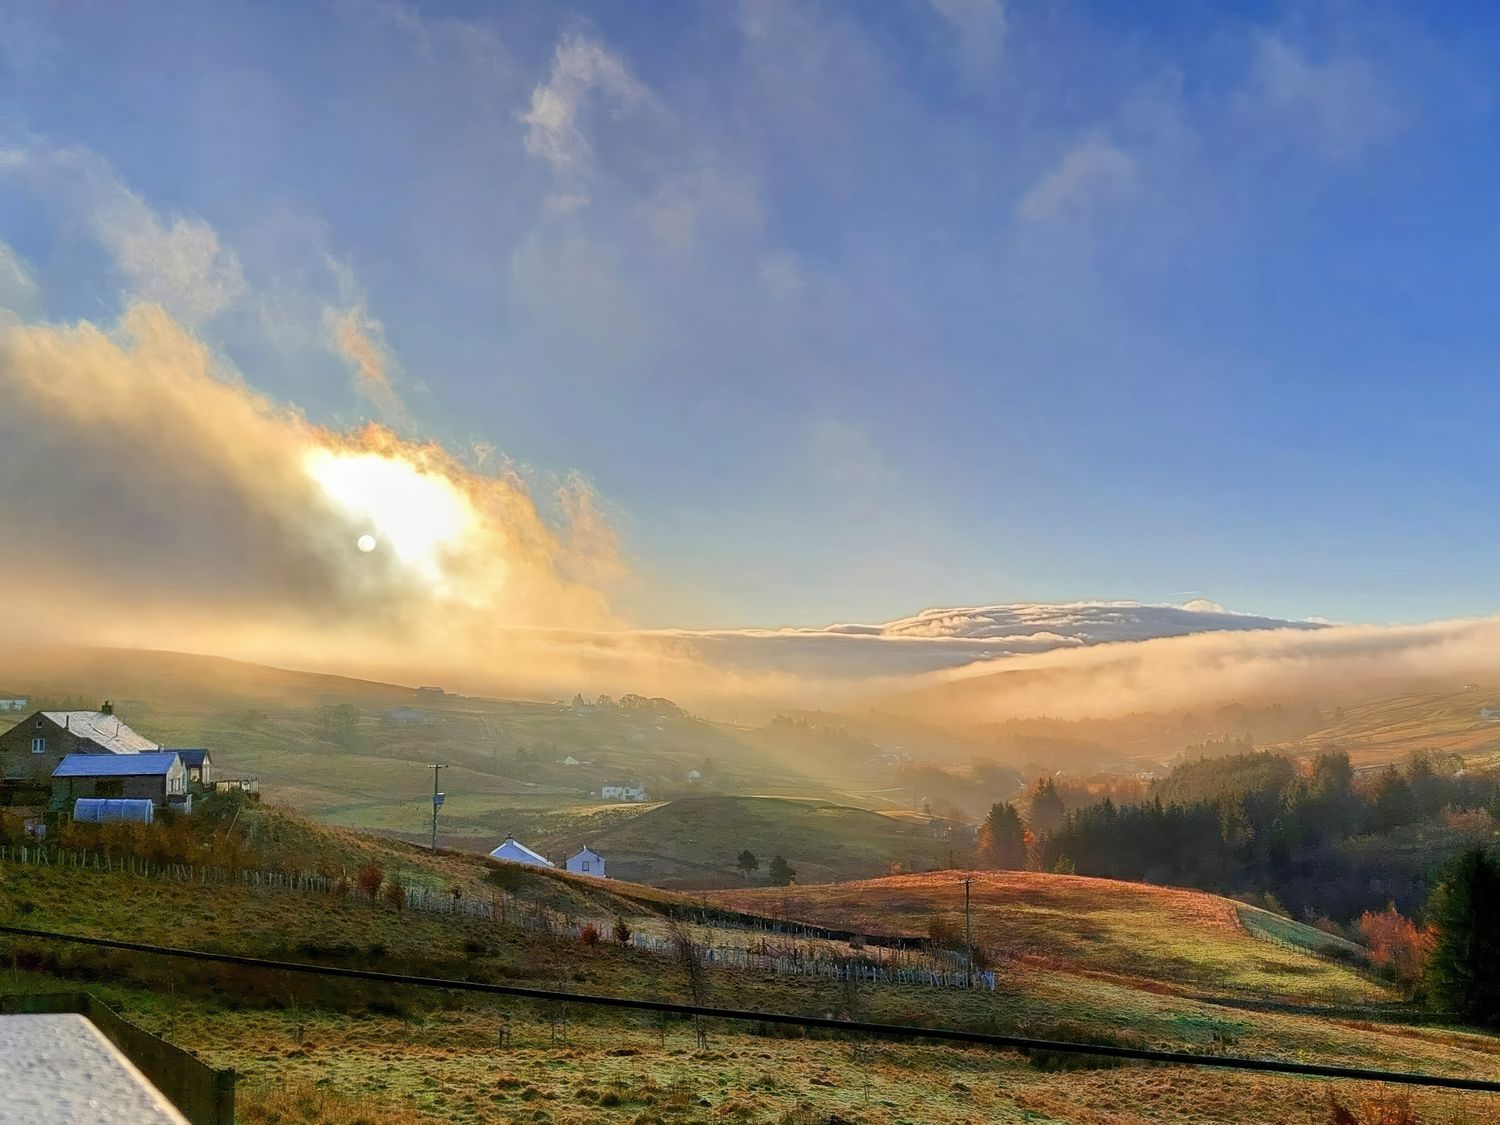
[
  {"x": 14, "y": 703},
  {"x": 622, "y": 793}
]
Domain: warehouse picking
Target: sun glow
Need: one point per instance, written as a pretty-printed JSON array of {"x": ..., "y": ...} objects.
[{"x": 418, "y": 516}]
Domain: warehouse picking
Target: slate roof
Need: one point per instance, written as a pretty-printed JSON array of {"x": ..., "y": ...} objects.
[
  {"x": 157, "y": 764},
  {"x": 108, "y": 731},
  {"x": 515, "y": 852}
]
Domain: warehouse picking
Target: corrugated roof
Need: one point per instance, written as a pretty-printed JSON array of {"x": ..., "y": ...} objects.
[
  {"x": 104, "y": 729},
  {"x": 116, "y": 765},
  {"x": 513, "y": 852}
]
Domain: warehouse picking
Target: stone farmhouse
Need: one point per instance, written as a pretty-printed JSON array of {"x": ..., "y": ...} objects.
[{"x": 50, "y": 759}]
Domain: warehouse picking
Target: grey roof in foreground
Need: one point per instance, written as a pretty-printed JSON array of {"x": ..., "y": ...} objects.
[
  {"x": 104, "y": 729},
  {"x": 61, "y": 1070}
]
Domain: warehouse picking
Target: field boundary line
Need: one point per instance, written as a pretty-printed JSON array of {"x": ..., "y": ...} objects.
[{"x": 897, "y": 1031}]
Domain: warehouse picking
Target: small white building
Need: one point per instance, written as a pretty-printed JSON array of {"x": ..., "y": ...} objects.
[
  {"x": 623, "y": 793},
  {"x": 587, "y": 862},
  {"x": 17, "y": 703},
  {"x": 513, "y": 851},
  {"x": 571, "y": 761}
]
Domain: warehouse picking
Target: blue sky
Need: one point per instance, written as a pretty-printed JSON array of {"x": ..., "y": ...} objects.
[{"x": 843, "y": 310}]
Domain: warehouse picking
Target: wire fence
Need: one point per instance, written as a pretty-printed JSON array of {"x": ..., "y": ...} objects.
[
  {"x": 827, "y": 1023},
  {"x": 760, "y": 951}
]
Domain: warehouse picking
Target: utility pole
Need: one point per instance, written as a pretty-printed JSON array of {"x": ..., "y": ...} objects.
[
  {"x": 437, "y": 802},
  {"x": 968, "y": 933}
]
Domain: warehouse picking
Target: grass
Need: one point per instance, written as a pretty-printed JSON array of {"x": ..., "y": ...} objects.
[
  {"x": 694, "y": 842},
  {"x": 352, "y": 1053},
  {"x": 1177, "y": 938}
]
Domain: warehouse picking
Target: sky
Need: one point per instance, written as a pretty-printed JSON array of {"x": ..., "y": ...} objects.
[{"x": 792, "y": 313}]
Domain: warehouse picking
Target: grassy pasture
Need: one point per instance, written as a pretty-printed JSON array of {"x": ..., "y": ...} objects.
[
  {"x": 1166, "y": 935},
  {"x": 1103, "y": 961}
]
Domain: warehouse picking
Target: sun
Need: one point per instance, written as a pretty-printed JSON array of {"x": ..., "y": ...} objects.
[{"x": 419, "y": 516}]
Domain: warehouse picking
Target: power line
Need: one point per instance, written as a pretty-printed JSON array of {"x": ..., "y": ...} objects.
[{"x": 894, "y": 1031}]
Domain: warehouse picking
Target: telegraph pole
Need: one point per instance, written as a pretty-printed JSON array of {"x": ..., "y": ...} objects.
[
  {"x": 437, "y": 802},
  {"x": 968, "y": 933}
]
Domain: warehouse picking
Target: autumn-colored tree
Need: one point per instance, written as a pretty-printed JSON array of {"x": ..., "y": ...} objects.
[
  {"x": 1397, "y": 944},
  {"x": 369, "y": 878}
]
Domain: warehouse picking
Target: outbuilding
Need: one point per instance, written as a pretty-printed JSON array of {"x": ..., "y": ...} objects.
[
  {"x": 200, "y": 768},
  {"x": 156, "y": 777},
  {"x": 587, "y": 862},
  {"x": 513, "y": 851}
]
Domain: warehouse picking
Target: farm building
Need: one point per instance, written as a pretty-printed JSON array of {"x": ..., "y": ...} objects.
[
  {"x": 155, "y": 776},
  {"x": 13, "y": 703},
  {"x": 35, "y": 746},
  {"x": 512, "y": 851},
  {"x": 587, "y": 862},
  {"x": 623, "y": 793},
  {"x": 200, "y": 768}
]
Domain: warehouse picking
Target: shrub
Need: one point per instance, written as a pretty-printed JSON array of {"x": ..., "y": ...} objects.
[
  {"x": 622, "y": 930},
  {"x": 1397, "y": 945},
  {"x": 395, "y": 894},
  {"x": 1384, "y": 1107},
  {"x": 369, "y": 878},
  {"x": 589, "y": 935}
]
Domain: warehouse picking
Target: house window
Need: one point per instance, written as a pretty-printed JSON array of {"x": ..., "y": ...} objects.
[{"x": 38, "y": 745}]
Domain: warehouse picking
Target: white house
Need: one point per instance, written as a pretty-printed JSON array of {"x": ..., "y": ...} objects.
[
  {"x": 587, "y": 862},
  {"x": 623, "y": 793},
  {"x": 13, "y": 704},
  {"x": 513, "y": 851}
]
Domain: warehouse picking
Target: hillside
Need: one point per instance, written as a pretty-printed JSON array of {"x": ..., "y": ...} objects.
[
  {"x": 358, "y": 753},
  {"x": 1177, "y": 938},
  {"x": 1107, "y": 962},
  {"x": 694, "y": 842}
]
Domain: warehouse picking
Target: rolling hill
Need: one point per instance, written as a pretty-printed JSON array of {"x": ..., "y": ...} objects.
[{"x": 693, "y": 842}]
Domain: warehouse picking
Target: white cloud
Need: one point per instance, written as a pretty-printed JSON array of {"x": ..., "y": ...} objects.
[
  {"x": 18, "y": 289},
  {"x": 979, "y": 26},
  {"x": 583, "y": 70},
  {"x": 1093, "y": 169},
  {"x": 175, "y": 261},
  {"x": 1340, "y": 106}
]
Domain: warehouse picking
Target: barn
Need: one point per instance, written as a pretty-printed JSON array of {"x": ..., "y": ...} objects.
[
  {"x": 156, "y": 777},
  {"x": 513, "y": 851}
]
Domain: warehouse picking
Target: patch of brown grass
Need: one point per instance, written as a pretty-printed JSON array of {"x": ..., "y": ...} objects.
[{"x": 306, "y": 1104}]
